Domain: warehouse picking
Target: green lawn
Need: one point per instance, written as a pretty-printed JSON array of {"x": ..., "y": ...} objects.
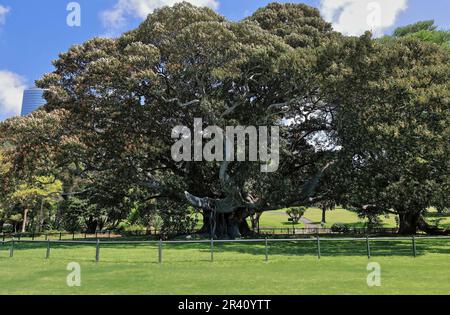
[
  {"x": 293, "y": 268},
  {"x": 277, "y": 219},
  {"x": 443, "y": 219},
  {"x": 339, "y": 215}
]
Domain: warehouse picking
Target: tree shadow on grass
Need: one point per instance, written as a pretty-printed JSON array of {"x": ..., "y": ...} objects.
[{"x": 338, "y": 248}]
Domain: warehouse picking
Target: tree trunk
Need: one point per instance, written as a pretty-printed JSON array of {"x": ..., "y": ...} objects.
[
  {"x": 255, "y": 221},
  {"x": 227, "y": 226},
  {"x": 409, "y": 222},
  {"x": 324, "y": 210},
  {"x": 41, "y": 218},
  {"x": 25, "y": 220},
  {"x": 91, "y": 226}
]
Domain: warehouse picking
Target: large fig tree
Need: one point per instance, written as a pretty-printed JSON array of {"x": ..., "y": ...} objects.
[{"x": 122, "y": 98}]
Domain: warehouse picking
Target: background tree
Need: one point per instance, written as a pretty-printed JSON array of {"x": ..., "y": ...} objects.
[
  {"x": 328, "y": 192},
  {"x": 425, "y": 31},
  {"x": 5, "y": 166},
  {"x": 34, "y": 197},
  {"x": 393, "y": 128}
]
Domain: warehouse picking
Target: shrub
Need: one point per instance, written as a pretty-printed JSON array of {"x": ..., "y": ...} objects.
[
  {"x": 295, "y": 213},
  {"x": 8, "y": 228},
  {"x": 340, "y": 228}
]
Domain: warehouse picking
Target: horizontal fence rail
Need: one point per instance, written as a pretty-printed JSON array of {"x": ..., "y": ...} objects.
[
  {"x": 318, "y": 243},
  {"x": 262, "y": 232}
]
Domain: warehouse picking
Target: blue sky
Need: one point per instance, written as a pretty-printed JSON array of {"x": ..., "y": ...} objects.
[{"x": 32, "y": 33}]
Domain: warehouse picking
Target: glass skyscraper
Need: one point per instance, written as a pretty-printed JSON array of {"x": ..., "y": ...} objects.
[{"x": 32, "y": 100}]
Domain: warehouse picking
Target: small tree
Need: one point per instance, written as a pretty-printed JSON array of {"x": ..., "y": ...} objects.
[
  {"x": 35, "y": 195},
  {"x": 295, "y": 213},
  {"x": 328, "y": 192},
  {"x": 15, "y": 220},
  {"x": 5, "y": 166},
  {"x": 324, "y": 206}
]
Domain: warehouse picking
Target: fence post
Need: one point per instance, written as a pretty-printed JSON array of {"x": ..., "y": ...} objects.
[
  {"x": 47, "y": 254},
  {"x": 267, "y": 250},
  {"x": 160, "y": 251},
  {"x": 212, "y": 249},
  {"x": 414, "y": 246},
  {"x": 318, "y": 246},
  {"x": 97, "y": 251},
  {"x": 11, "y": 249},
  {"x": 368, "y": 246}
]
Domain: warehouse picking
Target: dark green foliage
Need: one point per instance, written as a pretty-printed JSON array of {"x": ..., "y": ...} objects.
[
  {"x": 425, "y": 31},
  {"x": 414, "y": 28},
  {"x": 177, "y": 221},
  {"x": 340, "y": 228},
  {"x": 393, "y": 128}
]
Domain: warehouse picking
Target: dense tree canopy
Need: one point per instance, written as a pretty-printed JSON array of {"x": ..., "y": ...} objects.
[
  {"x": 394, "y": 128},
  {"x": 370, "y": 117},
  {"x": 124, "y": 96}
]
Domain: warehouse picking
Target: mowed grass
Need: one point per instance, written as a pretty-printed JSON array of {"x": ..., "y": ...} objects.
[
  {"x": 442, "y": 219},
  {"x": 340, "y": 215},
  {"x": 280, "y": 219},
  {"x": 293, "y": 268},
  {"x": 277, "y": 219}
]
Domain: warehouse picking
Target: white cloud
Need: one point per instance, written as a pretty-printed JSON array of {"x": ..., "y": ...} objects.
[
  {"x": 117, "y": 16},
  {"x": 11, "y": 93},
  {"x": 354, "y": 17},
  {"x": 3, "y": 12}
]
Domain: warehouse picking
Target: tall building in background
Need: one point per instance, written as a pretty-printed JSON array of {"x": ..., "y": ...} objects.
[{"x": 32, "y": 100}]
